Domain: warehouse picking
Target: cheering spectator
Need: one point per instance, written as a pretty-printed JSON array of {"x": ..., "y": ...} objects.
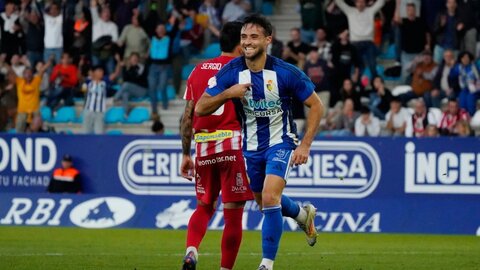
[
  {"x": 19, "y": 64},
  {"x": 63, "y": 80},
  {"x": 34, "y": 37},
  {"x": 134, "y": 84},
  {"x": 367, "y": 125},
  {"x": 53, "y": 38},
  {"x": 414, "y": 36},
  {"x": 451, "y": 116},
  {"x": 10, "y": 28},
  {"x": 442, "y": 83},
  {"x": 380, "y": 99},
  {"x": 336, "y": 21},
  {"x": 95, "y": 105},
  {"x": 360, "y": 23},
  {"x": 28, "y": 93},
  {"x": 234, "y": 10},
  {"x": 447, "y": 30},
  {"x": 134, "y": 38},
  {"x": 419, "y": 121},
  {"x": 104, "y": 34},
  {"x": 82, "y": 30},
  {"x": 400, "y": 14},
  {"x": 468, "y": 12},
  {"x": 467, "y": 81},
  {"x": 397, "y": 118}
]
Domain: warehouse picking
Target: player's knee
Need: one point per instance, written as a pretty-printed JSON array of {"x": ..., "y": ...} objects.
[
  {"x": 270, "y": 199},
  {"x": 234, "y": 205}
]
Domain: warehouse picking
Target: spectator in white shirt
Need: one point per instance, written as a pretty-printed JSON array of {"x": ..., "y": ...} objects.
[
  {"x": 102, "y": 28},
  {"x": 367, "y": 125},
  {"x": 360, "y": 23},
  {"x": 397, "y": 118},
  {"x": 53, "y": 38}
]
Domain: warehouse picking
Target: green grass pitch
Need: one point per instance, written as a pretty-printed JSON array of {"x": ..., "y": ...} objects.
[{"x": 74, "y": 248}]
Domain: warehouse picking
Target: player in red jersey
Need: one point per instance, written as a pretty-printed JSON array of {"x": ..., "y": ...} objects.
[{"x": 219, "y": 164}]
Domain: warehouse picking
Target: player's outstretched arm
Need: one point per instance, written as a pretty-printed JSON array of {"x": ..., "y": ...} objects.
[
  {"x": 208, "y": 104},
  {"x": 300, "y": 155}
]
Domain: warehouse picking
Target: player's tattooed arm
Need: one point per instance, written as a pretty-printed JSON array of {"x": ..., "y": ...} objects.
[
  {"x": 187, "y": 167},
  {"x": 186, "y": 127}
]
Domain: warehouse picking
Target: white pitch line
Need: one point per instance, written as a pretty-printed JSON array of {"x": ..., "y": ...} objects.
[{"x": 208, "y": 254}]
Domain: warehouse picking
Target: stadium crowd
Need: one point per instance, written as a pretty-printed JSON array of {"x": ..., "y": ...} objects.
[{"x": 55, "y": 52}]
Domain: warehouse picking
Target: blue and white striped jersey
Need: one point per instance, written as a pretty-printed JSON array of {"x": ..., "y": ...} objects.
[
  {"x": 96, "y": 96},
  {"x": 267, "y": 108}
]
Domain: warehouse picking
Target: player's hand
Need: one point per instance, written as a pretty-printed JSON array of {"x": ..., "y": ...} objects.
[
  {"x": 187, "y": 168},
  {"x": 300, "y": 155},
  {"x": 238, "y": 90}
]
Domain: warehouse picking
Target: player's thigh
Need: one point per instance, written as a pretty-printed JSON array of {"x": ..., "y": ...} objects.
[
  {"x": 256, "y": 172},
  {"x": 278, "y": 162},
  {"x": 207, "y": 183},
  {"x": 232, "y": 174}
]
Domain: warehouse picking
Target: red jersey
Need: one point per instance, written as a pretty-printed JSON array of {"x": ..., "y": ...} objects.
[{"x": 220, "y": 131}]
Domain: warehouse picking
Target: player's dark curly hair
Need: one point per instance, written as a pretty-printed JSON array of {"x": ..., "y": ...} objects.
[
  {"x": 230, "y": 36},
  {"x": 257, "y": 19}
]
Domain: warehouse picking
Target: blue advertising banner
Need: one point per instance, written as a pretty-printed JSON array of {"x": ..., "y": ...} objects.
[{"x": 358, "y": 185}]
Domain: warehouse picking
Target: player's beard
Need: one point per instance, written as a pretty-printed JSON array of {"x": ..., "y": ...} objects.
[{"x": 255, "y": 56}]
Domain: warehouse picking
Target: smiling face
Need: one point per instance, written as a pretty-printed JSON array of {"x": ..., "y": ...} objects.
[{"x": 253, "y": 41}]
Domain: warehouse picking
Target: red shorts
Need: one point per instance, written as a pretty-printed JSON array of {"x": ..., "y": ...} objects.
[{"x": 224, "y": 172}]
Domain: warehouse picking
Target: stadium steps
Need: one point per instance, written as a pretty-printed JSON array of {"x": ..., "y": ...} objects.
[{"x": 286, "y": 16}]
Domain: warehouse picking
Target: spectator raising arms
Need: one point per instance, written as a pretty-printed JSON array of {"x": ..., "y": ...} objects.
[
  {"x": 104, "y": 34},
  {"x": 360, "y": 22},
  {"x": 28, "y": 93},
  {"x": 53, "y": 39}
]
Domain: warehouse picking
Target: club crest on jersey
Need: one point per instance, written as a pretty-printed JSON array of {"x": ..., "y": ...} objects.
[
  {"x": 212, "y": 82},
  {"x": 270, "y": 85}
]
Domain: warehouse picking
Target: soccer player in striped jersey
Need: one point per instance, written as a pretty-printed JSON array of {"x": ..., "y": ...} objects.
[
  {"x": 219, "y": 164},
  {"x": 263, "y": 87}
]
